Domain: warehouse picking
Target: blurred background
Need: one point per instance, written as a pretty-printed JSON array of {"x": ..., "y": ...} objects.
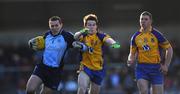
[{"x": 21, "y": 20}]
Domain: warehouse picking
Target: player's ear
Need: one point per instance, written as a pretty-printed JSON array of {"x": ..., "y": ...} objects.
[{"x": 61, "y": 24}]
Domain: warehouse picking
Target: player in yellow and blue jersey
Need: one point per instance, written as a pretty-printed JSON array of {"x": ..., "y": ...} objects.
[
  {"x": 92, "y": 65},
  {"x": 147, "y": 45}
]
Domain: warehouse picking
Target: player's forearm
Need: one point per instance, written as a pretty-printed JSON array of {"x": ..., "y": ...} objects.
[
  {"x": 131, "y": 57},
  {"x": 77, "y": 35},
  {"x": 110, "y": 41},
  {"x": 80, "y": 45},
  {"x": 168, "y": 56}
]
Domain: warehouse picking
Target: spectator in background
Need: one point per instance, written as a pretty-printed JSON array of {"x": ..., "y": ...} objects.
[{"x": 147, "y": 44}]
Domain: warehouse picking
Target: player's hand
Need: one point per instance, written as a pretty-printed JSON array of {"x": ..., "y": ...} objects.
[
  {"x": 115, "y": 45},
  {"x": 84, "y": 30},
  {"x": 129, "y": 63},
  {"x": 37, "y": 43},
  {"x": 77, "y": 44},
  {"x": 80, "y": 69},
  {"x": 164, "y": 69}
]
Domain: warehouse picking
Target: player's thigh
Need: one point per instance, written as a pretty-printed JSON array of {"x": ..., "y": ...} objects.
[
  {"x": 47, "y": 90},
  {"x": 142, "y": 85},
  {"x": 83, "y": 79},
  {"x": 33, "y": 83},
  {"x": 94, "y": 88},
  {"x": 157, "y": 89}
]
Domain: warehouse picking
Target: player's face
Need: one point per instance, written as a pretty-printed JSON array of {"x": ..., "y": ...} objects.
[
  {"x": 145, "y": 21},
  {"x": 92, "y": 26},
  {"x": 55, "y": 26}
]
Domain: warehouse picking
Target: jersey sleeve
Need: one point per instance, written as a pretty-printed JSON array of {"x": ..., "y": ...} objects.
[
  {"x": 106, "y": 36},
  {"x": 70, "y": 39},
  {"x": 163, "y": 42},
  {"x": 133, "y": 46}
]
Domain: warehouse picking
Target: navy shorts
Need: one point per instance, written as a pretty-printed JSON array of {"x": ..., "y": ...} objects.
[
  {"x": 95, "y": 76},
  {"x": 51, "y": 77},
  {"x": 150, "y": 72}
]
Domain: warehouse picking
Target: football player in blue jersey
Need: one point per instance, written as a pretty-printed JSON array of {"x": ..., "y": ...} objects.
[{"x": 54, "y": 44}]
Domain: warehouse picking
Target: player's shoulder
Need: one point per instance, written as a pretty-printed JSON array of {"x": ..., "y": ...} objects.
[
  {"x": 135, "y": 34},
  {"x": 100, "y": 33},
  {"x": 67, "y": 32},
  {"x": 46, "y": 33},
  {"x": 68, "y": 36},
  {"x": 156, "y": 32}
]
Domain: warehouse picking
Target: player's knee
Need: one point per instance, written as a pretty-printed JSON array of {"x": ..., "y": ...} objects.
[
  {"x": 30, "y": 89},
  {"x": 83, "y": 80},
  {"x": 145, "y": 91},
  {"x": 82, "y": 85},
  {"x": 81, "y": 90}
]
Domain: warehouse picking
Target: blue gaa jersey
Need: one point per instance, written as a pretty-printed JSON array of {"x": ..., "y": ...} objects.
[{"x": 55, "y": 47}]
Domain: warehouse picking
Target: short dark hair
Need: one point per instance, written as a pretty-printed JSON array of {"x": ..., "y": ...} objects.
[
  {"x": 90, "y": 17},
  {"x": 55, "y": 18},
  {"x": 147, "y": 13}
]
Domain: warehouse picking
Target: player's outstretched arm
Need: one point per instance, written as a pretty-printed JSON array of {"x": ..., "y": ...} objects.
[
  {"x": 80, "y": 45},
  {"x": 79, "y": 33},
  {"x": 112, "y": 43}
]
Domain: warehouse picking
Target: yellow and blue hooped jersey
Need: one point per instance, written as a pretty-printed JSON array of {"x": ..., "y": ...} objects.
[
  {"x": 148, "y": 45},
  {"x": 93, "y": 58}
]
